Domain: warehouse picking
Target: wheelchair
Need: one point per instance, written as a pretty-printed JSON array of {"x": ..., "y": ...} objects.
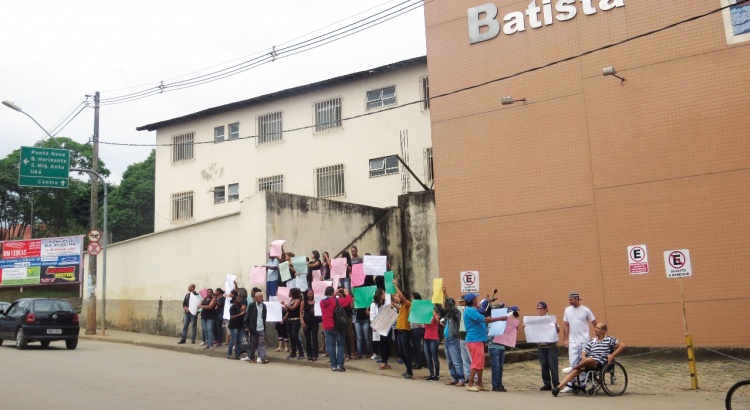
[{"x": 612, "y": 378}]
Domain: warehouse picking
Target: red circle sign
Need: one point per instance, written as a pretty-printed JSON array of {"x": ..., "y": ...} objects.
[
  {"x": 94, "y": 248},
  {"x": 469, "y": 278},
  {"x": 637, "y": 254},
  {"x": 677, "y": 259}
]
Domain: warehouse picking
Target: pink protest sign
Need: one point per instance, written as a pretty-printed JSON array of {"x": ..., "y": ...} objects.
[
  {"x": 258, "y": 275},
  {"x": 358, "y": 274},
  {"x": 338, "y": 267},
  {"x": 316, "y": 276},
  {"x": 282, "y": 295},
  {"x": 203, "y": 292},
  {"x": 319, "y": 287},
  {"x": 508, "y": 338},
  {"x": 276, "y": 247}
]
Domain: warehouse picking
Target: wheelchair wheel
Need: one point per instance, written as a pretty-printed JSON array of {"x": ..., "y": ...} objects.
[
  {"x": 614, "y": 379},
  {"x": 738, "y": 396}
]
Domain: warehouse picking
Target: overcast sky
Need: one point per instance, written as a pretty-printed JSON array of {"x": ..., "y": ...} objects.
[{"x": 54, "y": 52}]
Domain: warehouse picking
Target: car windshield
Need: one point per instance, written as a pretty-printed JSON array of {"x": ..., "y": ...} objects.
[{"x": 49, "y": 306}]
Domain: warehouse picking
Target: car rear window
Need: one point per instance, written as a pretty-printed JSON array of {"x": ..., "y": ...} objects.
[{"x": 41, "y": 306}]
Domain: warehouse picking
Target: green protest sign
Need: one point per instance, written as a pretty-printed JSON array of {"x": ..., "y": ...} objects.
[
  {"x": 421, "y": 311},
  {"x": 389, "y": 288},
  {"x": 363, "y": 296}
]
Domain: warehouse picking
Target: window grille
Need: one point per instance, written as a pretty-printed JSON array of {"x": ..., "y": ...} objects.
[
  {"x": 383, "y": 166},
  {"x": 234, "y": 131},
  {"x": 182, "y": 147},
  {"x": 269, "y": 128},
  {"x": 328, "y": 114},
  {"x": 234, "y": 192},
  {"x": 424, "y": 92},
  {"x": 219, "y": 134},
  {"x": 219, "y": 194},
  {"x": 274, "y": 183},
  {"x": 381, "y": 98},
  {"x": 329, "y": 181},
  {"x": 182, "y": 206},
  {"x": 429, "y": 171}
]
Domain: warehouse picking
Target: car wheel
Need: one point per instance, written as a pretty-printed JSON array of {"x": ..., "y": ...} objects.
[
  {"x": 71, "y": 344},
  {"x": 21, "y": 341},
  {"x": 45, "y": 343}
]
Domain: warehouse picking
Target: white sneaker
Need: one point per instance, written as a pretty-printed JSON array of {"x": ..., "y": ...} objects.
[
  {"x": 567, "y": 370},
  {"x": 374, "y": 357},
  {"x": 567, "y": 389},
  {"x": 260, "y": 360},
  {"x": 203, "y": 344},
  {"x": 246, "y": 359}
]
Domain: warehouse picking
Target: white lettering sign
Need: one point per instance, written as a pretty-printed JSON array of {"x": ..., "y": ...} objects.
[
  {"x": 483, "y": 23},
  {"x": 677, "y": 263}
]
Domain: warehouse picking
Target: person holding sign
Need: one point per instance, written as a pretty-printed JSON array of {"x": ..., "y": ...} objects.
[
  {"x": 403, "y": 327},
  {"x": 190, "y": 306},
  {"x": 273, "y": 277},
  {"x": 476, "y": 335},
  {"x": 310, "y": 325},
  {"x": 452, "y": 317},
  {"x": 547, "y": 352}
]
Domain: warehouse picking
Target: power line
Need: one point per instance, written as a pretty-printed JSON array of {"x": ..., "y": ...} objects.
[
  {"x": 273, "y": 54},
  {"x": 471, "y": 87}
]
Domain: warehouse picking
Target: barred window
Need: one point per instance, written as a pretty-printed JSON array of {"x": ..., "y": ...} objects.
[
  {"x": 182, "y": 206},
  {"x": 428, "y": 170},
  {"x": 383, "y": 166},
  {"x": 219, "y": 194},
  {"x": 219, "y": 134},
  {"x": 269, "y": 127},
  {"x": 424, "y": 92},
  {"x": 234, "y": 131},
  {"x": 182, "y": 147},
  {"x": 274, "y": 183},
  {"x": 234, "y": 192},
  {"x": 328, "y": 114},
  {"x": 329, "y": 181},
  {"x": 381, "y": 98}
]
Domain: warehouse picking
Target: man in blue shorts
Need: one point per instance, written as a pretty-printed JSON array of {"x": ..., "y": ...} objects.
[{"x": 599, "y": 351}]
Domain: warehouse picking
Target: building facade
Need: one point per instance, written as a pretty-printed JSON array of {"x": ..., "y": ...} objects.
[
  {"x": 573, "y": 129},
  {"x": 336, "y": 139}
]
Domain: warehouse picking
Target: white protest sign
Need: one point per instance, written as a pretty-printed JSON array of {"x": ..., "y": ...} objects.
[
  {"x": 193, "y": 303},
  {"x": 469, "y": 281},
  {"x": 498, "y": 328},
  {"x": 375, "y": 265},
  {"x": 677, "y": 263},
  {"x": 540, "y": 329},
  {"x": 274, "y": 313},
  {"x": 638, "y": 259}
]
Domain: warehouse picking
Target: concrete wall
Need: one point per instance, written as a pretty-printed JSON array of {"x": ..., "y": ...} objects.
[{"x": 419, "y": 244}]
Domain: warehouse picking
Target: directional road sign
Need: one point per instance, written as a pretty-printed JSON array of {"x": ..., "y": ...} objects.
[{"x": 44, "y": 167}]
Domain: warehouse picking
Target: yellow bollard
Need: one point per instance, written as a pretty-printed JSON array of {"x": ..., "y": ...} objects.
[{"x": 691, "y": 362}]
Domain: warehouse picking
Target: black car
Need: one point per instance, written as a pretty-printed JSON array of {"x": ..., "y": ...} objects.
[
  {"x": 4, "y": 306},
  {"x": 40, "y": 320}
]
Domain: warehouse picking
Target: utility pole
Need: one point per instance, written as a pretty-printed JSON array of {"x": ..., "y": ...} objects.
[{"x": 93, "y": 214}]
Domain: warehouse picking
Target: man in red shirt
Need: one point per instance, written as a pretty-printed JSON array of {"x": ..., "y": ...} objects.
[{"x": 334, "y": 338}]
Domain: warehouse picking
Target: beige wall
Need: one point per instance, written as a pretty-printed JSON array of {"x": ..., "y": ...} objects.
[
  {"x": 544, "y": 197},
  {"x": 300, "y": 152}
]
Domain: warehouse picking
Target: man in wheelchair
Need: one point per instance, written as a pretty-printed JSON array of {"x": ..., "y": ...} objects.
[{"x": 598, "y": 352}]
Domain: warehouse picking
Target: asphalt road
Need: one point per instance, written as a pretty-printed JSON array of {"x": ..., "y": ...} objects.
[{"x": 100, "y": 375}]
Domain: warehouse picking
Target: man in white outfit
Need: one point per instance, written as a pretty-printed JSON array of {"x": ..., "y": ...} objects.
[{"x": 576, "y": 330}]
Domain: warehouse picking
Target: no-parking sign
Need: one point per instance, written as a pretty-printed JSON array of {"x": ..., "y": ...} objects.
[
  {"x": 677, "y": 263},
  {"x": 469, "y": 282},
  {"x": 638, "y": 259}
]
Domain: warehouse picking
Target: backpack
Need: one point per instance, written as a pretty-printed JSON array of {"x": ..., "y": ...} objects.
[{"x": 341, "y": 320}]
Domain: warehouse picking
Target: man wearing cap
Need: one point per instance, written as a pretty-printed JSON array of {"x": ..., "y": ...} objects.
[
  {"x": 476, "y": 335},
  {"x": 547, "y": 353},
  {"x": 576, "y": 330}
]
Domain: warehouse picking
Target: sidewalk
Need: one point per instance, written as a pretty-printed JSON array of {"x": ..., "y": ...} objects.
[{"x": 661, "y": 373}]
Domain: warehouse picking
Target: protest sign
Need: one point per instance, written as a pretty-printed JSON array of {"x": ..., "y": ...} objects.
[
  {"x": 203, "y": 292},
  {"x": 195, "y": 301},
  {"x": 319, "y": 287},
  {"x": 316, "y": 275},
  {"x": 375, "y": 265},
  {"x": 384, "y": 320},
  {"x": 302, "y": 282},
  {"x": 300, "y": 264},
  {"x": 363, "y": 296},
  {"x": 508, "y": 338},
  {"x": 437, "y": 291},
  {"x": 540, "y": 329},
  {"x": 421, "y": 311},
  {"x": 282, "y": 294},
  {"x": 388, "y": 279},
  {"x": 358, "y": 275},
  {"x": 318, "y": 311},
  {"x": 258, "y": 275},
  {"x": 497, "y": 328},
  {"x": 229, "y": 283},
  {"x": 274, "y": 313},
  {"x": 276, "y": 247},
  {"x": 286, "y": 275},
  {"x": 462, "y": 327},
  {"x": 338, "y": 267}
]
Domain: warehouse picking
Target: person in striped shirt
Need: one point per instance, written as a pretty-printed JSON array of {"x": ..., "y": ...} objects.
[{"x": 599, "y": 351}]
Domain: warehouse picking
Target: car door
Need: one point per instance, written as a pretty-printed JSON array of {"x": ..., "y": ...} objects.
[{"x": 7, "y": 321}]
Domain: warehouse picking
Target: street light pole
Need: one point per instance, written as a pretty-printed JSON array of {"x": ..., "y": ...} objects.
[{"x": 91, "y": 302}]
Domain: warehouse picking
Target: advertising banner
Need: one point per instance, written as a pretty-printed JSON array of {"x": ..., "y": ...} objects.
[{"x": 41, "y": 261}]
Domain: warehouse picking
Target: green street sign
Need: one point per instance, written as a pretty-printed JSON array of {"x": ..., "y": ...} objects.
[{"x": 44, "y": 167}]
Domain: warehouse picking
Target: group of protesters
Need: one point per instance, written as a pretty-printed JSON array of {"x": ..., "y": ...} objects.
[{"x": 465, "y": 334}]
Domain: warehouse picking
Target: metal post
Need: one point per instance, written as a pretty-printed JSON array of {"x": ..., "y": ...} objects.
[
  {"x": 91, "y": 302},
  {"x": 689, "y": 342},
  {"x": 31, "y": 223}
]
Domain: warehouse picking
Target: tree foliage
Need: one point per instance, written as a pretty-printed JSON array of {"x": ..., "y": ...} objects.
[{"x": 131, "y": 205}]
